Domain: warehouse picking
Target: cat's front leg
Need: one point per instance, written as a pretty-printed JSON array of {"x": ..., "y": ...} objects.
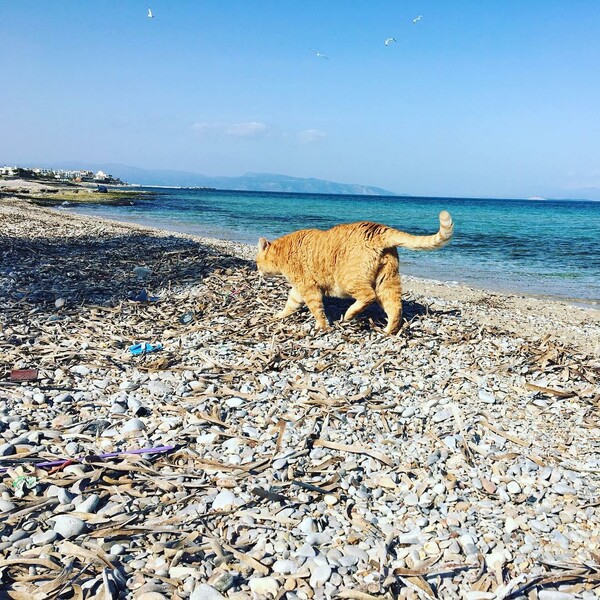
[
  {"x": 294, "y": 303},
  {"x": 314, "y": 300}
]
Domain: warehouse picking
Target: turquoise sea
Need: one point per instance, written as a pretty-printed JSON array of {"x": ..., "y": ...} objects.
[{"x": 539, "y": 247}]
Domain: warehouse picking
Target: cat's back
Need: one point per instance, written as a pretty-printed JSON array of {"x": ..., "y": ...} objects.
[
  {"x": 359, "y": 232},
  {"x": 335, "y": 239}
]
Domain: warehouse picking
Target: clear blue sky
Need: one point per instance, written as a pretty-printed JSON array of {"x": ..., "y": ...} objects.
[{"x": 479, "y": 98}]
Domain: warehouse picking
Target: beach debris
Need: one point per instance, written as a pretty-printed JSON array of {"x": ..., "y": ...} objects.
[
  {"x": 144, "y": 348},
  {"x": 186, "y": 317},
  {"x": 23, "y": 375},
  {"x": 22, "y": 484},
  {"x": 59, "y": 302},
  {"x": 456, "y": 460},
  {"x": 52, "y": 464}
]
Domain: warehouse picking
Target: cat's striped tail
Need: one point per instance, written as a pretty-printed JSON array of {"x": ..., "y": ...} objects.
[{"x": 394, "y": 237}]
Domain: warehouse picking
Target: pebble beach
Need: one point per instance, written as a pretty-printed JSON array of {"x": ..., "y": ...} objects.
[{"x": 237, "y": 456}]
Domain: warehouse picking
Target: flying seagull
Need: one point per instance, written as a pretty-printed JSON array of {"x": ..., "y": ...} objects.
[
  {"x": 319, "y": 55},
  {"x": 418, "y": 18},
  {"x": 389, "y": 41},
  {"x": 150, "y": 15}
]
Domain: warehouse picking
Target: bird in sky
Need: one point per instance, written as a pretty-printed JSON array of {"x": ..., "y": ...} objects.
[
  {"x": 319, "y": 55},
  {"x": 150, "y": 15},
  {"x": 389, "y": 41},
  {"x": 418, "y": 18}
]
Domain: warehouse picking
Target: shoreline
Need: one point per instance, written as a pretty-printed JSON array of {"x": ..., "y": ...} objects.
[
  {"x": 458, "y": 458},
  {"x": 584, "y": 303},
  {"x": 550, "y": 308},
  {"x": 577, "y": 287}
]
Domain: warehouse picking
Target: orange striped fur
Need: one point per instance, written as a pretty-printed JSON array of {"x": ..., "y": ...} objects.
[{"x": 354, "y": 260}]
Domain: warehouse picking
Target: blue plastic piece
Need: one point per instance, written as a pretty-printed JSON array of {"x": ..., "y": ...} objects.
[{"x": 144, "y": 348}]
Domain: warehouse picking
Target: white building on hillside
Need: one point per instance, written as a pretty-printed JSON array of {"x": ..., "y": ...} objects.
[{"x": 8, "y": 171}]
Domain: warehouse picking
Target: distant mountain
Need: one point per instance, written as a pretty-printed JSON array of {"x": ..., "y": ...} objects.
[
  {"x": 583, "y": 193},
  {"x": 259, "y": 182}
]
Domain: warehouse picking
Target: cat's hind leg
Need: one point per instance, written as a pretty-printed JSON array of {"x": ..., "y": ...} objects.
[
  {"x": 294, "y": 303},
  {"x": 363, "y": 295},
  {"x": 389, "y": 295}
]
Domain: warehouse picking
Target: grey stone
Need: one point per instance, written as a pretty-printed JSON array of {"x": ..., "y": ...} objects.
[
  {"x": 158, "y": 388},
  {"x": 89, "y": 504},
  {"x": 307, "y": 525},
  {"x": 80, "y": 370},
  {"x": 7, "y": 450},
  {"x": 117, "y": 549},
  {"x": 132, "y": 426},
  {"x": 487, "y": 397},
  {"x": 69, "y": 527},
  {"x": 60, "y": 398},
  {"x": 18, "y": 534},
  {"x": 44, "y": 537},
  {"x": 555, "y": 595},
  {"x": 6, "y": 505}
]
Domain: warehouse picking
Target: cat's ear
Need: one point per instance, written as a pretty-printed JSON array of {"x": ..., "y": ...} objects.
[{"x": 263, "y": 244}]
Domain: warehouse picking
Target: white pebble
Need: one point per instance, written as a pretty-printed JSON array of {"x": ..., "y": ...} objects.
[
  {"x": 320, "y": 576},
  {"x": 264, "y": 586},
  {"x": 206, "y": 592},
  {"x": 224, "y": 500},
  {"x": 510, "y": 525},
  {"x": 513, "y": 487},
  {"x": 554, "y": 595},
  {"x": 487, "y": 397},
  {"x": 234, "y": 402},
  {"x": 284, "y": 567},
  {"x": 563, "y": 489}
]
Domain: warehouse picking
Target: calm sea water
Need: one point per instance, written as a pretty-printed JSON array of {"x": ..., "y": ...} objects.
[{"x": 520, "y": 246}]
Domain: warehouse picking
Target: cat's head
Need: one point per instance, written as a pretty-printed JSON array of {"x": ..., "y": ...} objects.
[{"x": 265, "y": 258}]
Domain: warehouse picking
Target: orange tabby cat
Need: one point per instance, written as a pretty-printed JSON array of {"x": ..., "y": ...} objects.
[{"x": 356, "y": 260}]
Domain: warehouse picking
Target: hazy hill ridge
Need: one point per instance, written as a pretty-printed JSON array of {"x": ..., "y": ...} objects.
[{"x": 260, "y": 182}]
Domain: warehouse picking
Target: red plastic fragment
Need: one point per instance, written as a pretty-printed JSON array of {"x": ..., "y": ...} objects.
[{"x": 23, "y": 375}]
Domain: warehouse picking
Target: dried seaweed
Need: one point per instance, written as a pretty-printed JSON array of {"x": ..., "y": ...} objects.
[{"x": 281, "y": 433}]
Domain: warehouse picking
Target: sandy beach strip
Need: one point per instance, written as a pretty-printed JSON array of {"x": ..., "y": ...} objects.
[{"x": 458, "y": 459}]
